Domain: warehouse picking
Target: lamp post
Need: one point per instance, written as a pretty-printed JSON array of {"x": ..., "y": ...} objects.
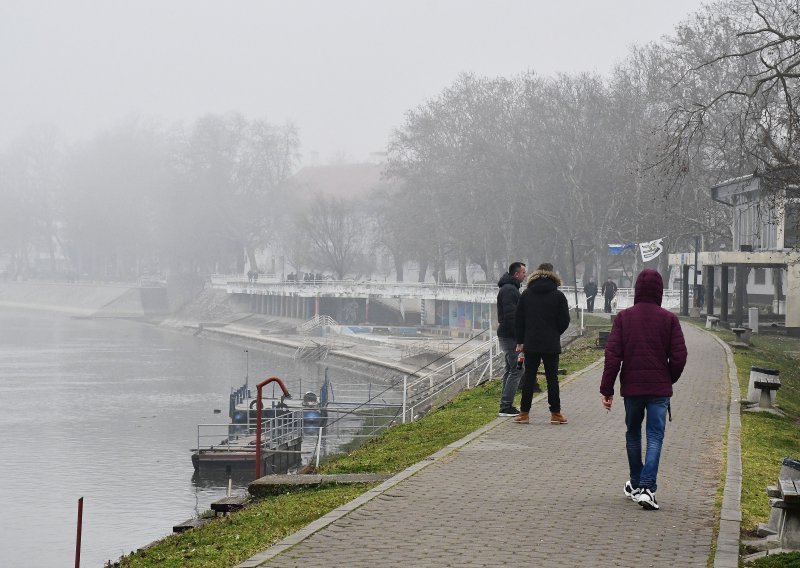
[
  {"x": 575, "y": 278},
  {"x": 574, "y": 272},
  {"x": 696, "y": 249},
  {"x": 246, "y": 371}
]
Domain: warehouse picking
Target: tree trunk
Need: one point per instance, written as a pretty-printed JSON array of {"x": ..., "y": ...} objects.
[
  {"x": 398, "y": 267},
  {"x": 462, "y": 268},
  {"x": 51, "y": 247},
  {"x": 423, "y": 269},
  {"x": 777, "y": 283},
  {"x": 251, "y": 257}
]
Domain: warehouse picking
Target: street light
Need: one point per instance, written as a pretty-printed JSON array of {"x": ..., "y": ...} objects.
[
  {"x": 575, "y": 279},
  {"x": 246, "y": 370},
  {"x": 696, "y": 249}
]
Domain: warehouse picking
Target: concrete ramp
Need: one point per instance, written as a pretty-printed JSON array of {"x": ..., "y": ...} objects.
[{"x": 104, "y": 300}]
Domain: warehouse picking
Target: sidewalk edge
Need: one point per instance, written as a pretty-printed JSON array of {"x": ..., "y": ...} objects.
[{"x": 727, "y": 554}]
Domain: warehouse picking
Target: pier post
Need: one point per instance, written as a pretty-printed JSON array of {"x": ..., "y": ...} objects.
[{"x": 405, "y": 396}]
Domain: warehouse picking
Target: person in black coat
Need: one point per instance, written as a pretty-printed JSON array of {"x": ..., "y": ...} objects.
[
  {"x": 591, "y": 292},
  {"x": 542, "y": 316},
  {"x": 609, "y": 291},
  {"x": 507, "y": 300}
]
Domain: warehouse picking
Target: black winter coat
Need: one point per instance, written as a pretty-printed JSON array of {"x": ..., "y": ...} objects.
[
  {"x": 507, "y": 300},
  {"x": 542, "y": 314}
]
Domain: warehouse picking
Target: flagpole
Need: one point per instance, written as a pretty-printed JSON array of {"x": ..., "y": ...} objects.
[
  {"x": 694, "y": 289},
  {"x": 575, "y": 275}
]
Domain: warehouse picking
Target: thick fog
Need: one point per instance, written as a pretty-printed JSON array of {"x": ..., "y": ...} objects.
[
  {"x": 342, "y": 71},
  {"x": 392, "y": 140}
]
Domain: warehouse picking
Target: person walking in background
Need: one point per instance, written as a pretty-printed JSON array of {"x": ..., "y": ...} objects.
[
  {"x": 542, "y": 316},
  {"x": 590, "y": 289},
  {"x": 507, "y": 300},
  {"x": 647, "y": 342},
  {"x": 609, "y": 291}
]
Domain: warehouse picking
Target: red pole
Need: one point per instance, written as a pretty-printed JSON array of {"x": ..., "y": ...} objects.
[
  {"x": 80, "y": 527},
  {"x": 259, "y": 409}
]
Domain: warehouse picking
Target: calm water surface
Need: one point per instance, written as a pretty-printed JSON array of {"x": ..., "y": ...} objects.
[{"x": 107, "y": 410}]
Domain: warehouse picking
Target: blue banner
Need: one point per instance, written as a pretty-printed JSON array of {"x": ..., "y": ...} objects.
[{"x": 620, "y": 248}]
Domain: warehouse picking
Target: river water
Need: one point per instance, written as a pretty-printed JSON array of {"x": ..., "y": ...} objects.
[{"x": 107, "y": 410}]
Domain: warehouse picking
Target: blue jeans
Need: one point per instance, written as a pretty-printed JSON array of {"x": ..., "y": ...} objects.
[
  {"x": 655, "y": 407},
  {"x": 512, "y": 375}
]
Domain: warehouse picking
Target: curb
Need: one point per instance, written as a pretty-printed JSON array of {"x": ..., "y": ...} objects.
[
  {"x": 730, "y": 520},
  {"x": 307, "y": 531}
]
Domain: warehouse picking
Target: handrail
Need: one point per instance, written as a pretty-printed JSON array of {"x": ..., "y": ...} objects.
[
  {"x": 481, "y": 347},
  {"x": 259, "y": 409},
  {"x": 315, "y": 322}
]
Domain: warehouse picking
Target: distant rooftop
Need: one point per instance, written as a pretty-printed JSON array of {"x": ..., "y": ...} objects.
[{"x": 345, "y": 181}]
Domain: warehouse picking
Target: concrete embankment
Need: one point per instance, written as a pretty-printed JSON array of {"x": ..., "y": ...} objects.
[{"x": 98, "y": 300}]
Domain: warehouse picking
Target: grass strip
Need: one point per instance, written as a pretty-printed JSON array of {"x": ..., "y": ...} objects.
[{"x": 767, "y": 438}]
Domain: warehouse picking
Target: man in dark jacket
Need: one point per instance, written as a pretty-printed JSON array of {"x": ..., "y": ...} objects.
[
  {"x": 590, "y": 289},
  {"x": 542, "y": 316},
  {"x": 507, "y": 300},
  {"x": 647, "y": 341},
  {"x": 609, "y": 291}
]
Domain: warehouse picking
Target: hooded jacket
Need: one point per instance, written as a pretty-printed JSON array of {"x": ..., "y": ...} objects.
[
  {"x": 542, "y": 314},
  {"x": 647, "y": 342},
  {"x": 507, "y": 300}
]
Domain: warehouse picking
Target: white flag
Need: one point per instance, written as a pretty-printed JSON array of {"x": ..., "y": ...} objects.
[{"x": 651, "y": 250}]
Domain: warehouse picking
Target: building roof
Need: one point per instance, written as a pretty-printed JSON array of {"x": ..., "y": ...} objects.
[{"x": 345, "y": 181}]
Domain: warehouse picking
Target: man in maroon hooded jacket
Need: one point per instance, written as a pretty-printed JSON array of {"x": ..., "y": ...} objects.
[{"x": 647, "y": 341}]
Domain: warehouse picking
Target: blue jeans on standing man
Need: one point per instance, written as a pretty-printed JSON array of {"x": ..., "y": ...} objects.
[
  {"x": 655, "y": 408},
  {"x": 512, "y": 375}
]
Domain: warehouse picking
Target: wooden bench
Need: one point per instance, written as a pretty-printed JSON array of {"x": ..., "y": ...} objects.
[
  {"x": 228, "y": 505},
  {"x": 784, "y": 520},
  {"x": 789, "y": 503},
  {"x": 790, "y": 490},
  {"x": 189, "y": 524},
  {"x": 742, "y": 335},
  {"x": 766, "y": 385}
]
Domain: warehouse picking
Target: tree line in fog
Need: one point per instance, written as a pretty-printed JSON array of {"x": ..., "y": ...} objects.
[{"x": 489, "y": 170}]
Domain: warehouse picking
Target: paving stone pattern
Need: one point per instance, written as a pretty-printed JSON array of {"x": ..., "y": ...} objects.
[{"x": 548, "y": 495}]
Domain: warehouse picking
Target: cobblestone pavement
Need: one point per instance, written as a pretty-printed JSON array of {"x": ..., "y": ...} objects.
[{"x": 547, "y": 495}]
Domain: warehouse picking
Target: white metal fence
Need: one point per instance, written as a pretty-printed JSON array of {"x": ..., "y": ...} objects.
[
  {"x": 477, "y": 293},
  {"x": 441, "y": 384},
  {"x": 241, "y": 438}
]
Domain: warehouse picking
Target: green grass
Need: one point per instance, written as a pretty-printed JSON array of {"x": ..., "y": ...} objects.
[
  {"x": 767, "y": 438},
  {"x": 226, "y": 541},
  {"x": 788, "y": 560},
  {"x": 229, "y": 540}
]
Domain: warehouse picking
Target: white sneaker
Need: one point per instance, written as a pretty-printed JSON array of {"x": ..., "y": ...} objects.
[
  {"x": 630, "y": 492},
  {"x": 646, "y": 499}
]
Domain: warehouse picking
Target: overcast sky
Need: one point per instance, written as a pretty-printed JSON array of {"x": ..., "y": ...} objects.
[{"x": 343, "y": 71}]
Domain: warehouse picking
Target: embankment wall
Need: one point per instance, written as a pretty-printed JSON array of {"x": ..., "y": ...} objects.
[{"x": 101, "y": 300}]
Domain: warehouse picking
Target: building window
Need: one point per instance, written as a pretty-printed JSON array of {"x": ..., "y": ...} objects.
[
  {"x": 791, "y": 225},
  {"x": 760, "y": 276}
]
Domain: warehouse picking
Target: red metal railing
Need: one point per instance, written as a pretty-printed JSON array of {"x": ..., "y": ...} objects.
[
  {"x": 259, "y": 410},
  {"x": 78, "y": 540}
]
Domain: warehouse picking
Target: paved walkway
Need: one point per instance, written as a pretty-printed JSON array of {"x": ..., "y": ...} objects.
[{"x": 544, "y": 495}]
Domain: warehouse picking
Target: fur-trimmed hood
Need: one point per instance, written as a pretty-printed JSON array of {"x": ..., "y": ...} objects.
[{"x": 540, "y": 274}]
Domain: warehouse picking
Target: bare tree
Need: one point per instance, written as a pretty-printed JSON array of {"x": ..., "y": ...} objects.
[
  {"x": 231, "y": 172},
  {"x": 336, "y": 231}
]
